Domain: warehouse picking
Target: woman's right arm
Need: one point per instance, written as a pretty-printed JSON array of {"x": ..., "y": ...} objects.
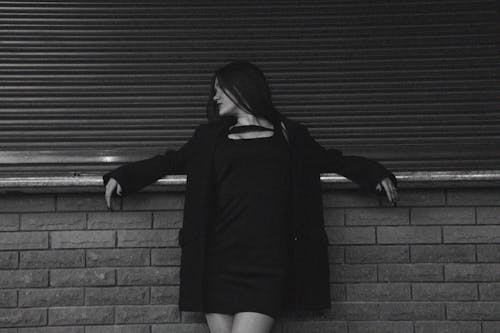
[{"x": 132, "y": 177}]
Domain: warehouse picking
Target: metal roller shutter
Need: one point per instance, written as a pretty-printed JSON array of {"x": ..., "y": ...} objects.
[{"x": 86, "y": 86}]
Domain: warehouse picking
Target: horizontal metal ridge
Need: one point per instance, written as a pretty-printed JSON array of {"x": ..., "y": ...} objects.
[{"x": 434, "y": 177}]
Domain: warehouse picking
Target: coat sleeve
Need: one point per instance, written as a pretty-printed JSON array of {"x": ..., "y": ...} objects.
[
  {"x": 136, "y": 175},
  {"x": 365, "y": 172}
]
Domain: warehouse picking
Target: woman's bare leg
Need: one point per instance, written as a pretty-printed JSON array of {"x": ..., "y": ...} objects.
[
  {"x": 219, "y": 322},
  {"x": 252, "y": 322}
]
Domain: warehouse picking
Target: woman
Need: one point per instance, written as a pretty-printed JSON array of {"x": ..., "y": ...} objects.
[{"x": 253, "y": 240}]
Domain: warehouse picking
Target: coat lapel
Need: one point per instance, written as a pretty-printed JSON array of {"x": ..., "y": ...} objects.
[{"x": 296, "y": 172}]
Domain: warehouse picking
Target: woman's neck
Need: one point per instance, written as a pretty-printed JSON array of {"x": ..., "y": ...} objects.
[{"x": 252, "y": 120}]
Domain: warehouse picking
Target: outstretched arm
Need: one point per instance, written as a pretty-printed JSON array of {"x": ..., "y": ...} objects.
[
  {"x": 369, "y": 174},
  {"x": 132, "y": 177}
]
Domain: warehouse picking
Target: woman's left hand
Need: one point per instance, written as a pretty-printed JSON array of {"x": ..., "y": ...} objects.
[{"x": 390, "y": 190}]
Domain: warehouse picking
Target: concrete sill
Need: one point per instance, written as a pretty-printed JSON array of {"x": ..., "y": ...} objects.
[{"x": 93, "y": 183}]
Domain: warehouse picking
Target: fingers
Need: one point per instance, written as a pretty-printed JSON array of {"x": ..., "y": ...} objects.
[
  {"x": 110, "y": 188},
  {"x": 390, "y": 190},
  {"x": 107, "y": 195}
]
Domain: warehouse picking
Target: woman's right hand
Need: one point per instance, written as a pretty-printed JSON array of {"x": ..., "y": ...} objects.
[{"x": 111, "y": 186}]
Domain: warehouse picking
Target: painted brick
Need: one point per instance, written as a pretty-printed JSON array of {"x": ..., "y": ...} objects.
[
  {"x": 349, "y": 198},
  {"x": 9, "y": 222},
  {"x": 488, "y": 253},
  {"x": 83, "y": 202},
  {"x": 404, "y": 235},
  {"x": 147, "y": 238},
  {"x": 80, "y": 315},
  {"x": 336, "y": 254},
  {"x": 82, "y": 239},
  {"x": 53, "y": 329},
  {"x": 443, "y": 253},
  {"x": 118, "y": 329},
  {"x": 472, "y": 272},
  {"x": 147, "y": 314},
  {"x": 53, "y": 221},
  {"x": 24, "y": 240},
  {"x": 8, "y": 260},
  {"x": 22, "y": 317},
  {"x": 419, "y": 197},
  {"x": 377, "y": 254},
  {"x": 447, "y": 327},
  {"x": 337, "y": 292},
  {"x": 169, "y": 256},
  {"x": 8, "y": 330},
  {"x": 472, "y": 234},
  {"x": 192, "y": 317},
  {"x": 377, "y": 216},
  {"x": 473, "y": 197},
  {"x": 119, "y": 220},
  {"x": 353, "y": 273},
  {"x": 50, "y": 297},
  {"x": 116, "y": 295},
  {"x": 443, "y": 215},
  {"x": 334, "y": 216},
  {"x": 148, "y": 276},
  {"x": 52, "y": 259},
  {"x": 164, "y": 295},
  {"x": 491, "y": 327},
  {"x": 355, "y": 299},
  {"x": 410, "y": 272},
  {"x": 27, "y": 203},
  {"x": 488, "y": 215},
  {"x": 378, "y": 292},
  {"x": 473, "y": 311},
  {"x": 351, "y": 235},
  {"x": 117, "y": 257},
  {"x": 183, "y": 328},
  {"x": 82, "y": 277},
  {"x": 24, "y": 278},
  {"x": 154, "y": 201},
  {"x": 445, "y": 291},
  {"x": 412, "y": 311},
  {"x": 353, "y": 311},
  {"x": 380, "y": 327},
  {"x": 313, "y": 327},
  {"x": 8, "y": 298},
  {"x": 489, "y": 291},
  {"x": 168, "y": 219}
]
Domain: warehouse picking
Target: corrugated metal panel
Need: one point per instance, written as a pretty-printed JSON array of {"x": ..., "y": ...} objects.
[{"x": 89, "y": 85}]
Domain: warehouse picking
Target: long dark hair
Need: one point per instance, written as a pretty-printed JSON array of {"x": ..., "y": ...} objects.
[{"x": 247, "y": 84}]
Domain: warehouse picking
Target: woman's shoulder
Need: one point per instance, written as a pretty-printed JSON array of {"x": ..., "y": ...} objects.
[
  {"x": 292, "y": 123},
  {"x": 212, "y": 126},
  {"x": 215, "y": 125},
  {"x": 294, "y": 126}
]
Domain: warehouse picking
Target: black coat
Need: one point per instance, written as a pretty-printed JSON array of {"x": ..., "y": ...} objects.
[{"x": 308, "y": 278}]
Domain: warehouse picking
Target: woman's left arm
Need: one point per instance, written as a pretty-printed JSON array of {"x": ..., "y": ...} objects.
[
  {"x": 135, "y": 175},
  {"x": 369, "y": 174}
]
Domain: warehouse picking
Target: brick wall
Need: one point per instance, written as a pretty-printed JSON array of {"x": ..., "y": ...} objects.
[{"x": 432, "y": 264}]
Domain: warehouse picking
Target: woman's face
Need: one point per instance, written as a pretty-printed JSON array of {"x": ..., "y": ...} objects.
[{"x": 225, "y": 104}]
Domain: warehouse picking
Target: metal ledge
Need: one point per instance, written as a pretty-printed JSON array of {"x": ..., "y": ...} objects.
[{"x": 94, "y": 183}]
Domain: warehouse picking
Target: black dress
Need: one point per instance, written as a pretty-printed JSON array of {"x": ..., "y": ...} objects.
[{"x": 247, "y": 245}]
